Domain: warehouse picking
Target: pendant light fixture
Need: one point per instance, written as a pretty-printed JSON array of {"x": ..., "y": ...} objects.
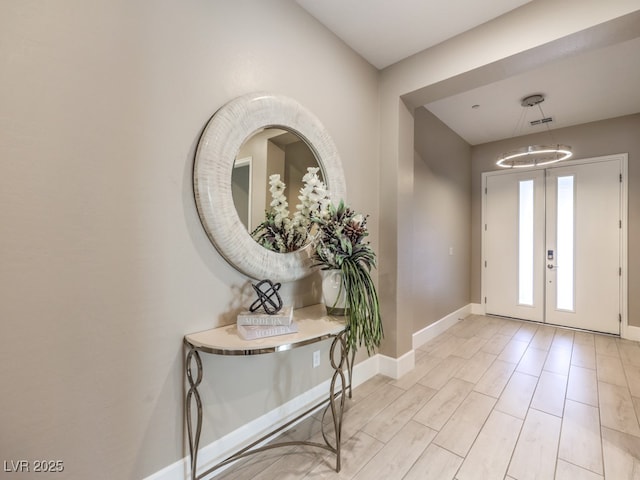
[{"x": 534, "y": 155}]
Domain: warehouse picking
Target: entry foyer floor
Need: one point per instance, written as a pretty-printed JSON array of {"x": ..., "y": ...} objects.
[{"x": 489, "y": 399}]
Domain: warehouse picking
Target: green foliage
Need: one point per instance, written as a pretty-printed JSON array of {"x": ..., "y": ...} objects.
[
  {"x": 340, "y": 245},
  {"x": 339, "y": 241},
  {"x": 365, "y": 324},
  {"x": 271, "y": 235}
]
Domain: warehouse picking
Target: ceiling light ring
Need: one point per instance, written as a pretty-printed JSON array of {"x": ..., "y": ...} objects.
[{"x": 534, "y": 155}]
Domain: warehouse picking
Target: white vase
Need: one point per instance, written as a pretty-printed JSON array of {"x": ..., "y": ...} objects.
[{"x": 334, "y": 292}]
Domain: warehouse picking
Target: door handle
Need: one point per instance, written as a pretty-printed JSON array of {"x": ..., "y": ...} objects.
[{"x": 551, "y": 266}]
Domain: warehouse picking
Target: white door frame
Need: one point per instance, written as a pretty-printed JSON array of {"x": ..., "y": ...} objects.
[
  {"x": 247, "y": 162},
  {"x": 626, "y": 331}
]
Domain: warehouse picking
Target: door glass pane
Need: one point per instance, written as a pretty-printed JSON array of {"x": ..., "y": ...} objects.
[
  {"x": 525, "y": 243},
  {"x": 565, "y": 244}
]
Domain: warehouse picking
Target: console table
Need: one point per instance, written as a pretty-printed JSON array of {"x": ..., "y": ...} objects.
[{"x": 314, "y": 325}]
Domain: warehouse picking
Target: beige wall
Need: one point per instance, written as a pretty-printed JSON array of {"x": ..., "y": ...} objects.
[
  {"x": 495, "y": 50},
  {"x": 441, "y": 219},
  {"x": 618, "y": 135},
  {"x": 104, "y": 263}
]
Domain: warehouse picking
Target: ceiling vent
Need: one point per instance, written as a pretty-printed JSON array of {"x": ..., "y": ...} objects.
[
  {"x": 541, "y": 121},
  {"x": 534, "y": 155}
]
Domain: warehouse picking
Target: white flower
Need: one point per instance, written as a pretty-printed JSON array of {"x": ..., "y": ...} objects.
[
  {"x": 293, "y": 232},
  {"x": 313, "y": 197},
  {"x": 278, "y": 203},
  {"x": 311, "y": 176},
  {"x": 357, "y": 220},
  {"x": 324, "y": 208}
]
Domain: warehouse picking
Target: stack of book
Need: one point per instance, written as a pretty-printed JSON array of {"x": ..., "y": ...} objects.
[{"x": 258, "y": 324}]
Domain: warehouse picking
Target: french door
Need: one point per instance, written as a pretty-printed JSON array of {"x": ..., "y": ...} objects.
[{"x": 552, "y": 245}]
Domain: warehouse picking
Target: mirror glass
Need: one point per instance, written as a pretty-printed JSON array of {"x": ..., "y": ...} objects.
[
  {"x": 267, "y": 152},
  {"x": 228, "y": 210}
]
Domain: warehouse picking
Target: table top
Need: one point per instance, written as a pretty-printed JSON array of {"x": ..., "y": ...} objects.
[{"x": 314, "y": 325}]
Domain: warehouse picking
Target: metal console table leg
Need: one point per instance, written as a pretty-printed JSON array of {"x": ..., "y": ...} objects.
[
  {"x": 338, "y": 375},
  {"x": 335, "y": 404},
  {"x": 193, "y": 395}
]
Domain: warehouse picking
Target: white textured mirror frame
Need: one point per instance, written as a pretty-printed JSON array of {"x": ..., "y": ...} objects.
[{"x": 216, "y": 153}]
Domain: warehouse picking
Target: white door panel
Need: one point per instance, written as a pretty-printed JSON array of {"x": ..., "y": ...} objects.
[
  {"x": 557, "y": 261},
  {"x": 514, "y": 242},
  {"x": 590, "y": 274}
]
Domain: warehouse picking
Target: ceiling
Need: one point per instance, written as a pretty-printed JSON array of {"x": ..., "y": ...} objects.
[{"x": 385, "y": 32}]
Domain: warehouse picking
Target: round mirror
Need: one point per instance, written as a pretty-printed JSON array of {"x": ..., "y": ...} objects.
[
  {"x": 218, "y": 152},
  {"x": 270, "y": 151}
]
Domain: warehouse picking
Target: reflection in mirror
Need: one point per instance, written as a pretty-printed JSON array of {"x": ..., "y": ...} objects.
[
  {"x": 217, "y": 151},
  {"x": 267, "y": 152},
  {"x": 241, "y": 189}
]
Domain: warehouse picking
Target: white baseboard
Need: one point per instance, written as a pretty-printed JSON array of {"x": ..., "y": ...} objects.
[
  {"x": 396, "y": 367},
  {"x": 440, "y": 326},
  {"x": 364, "y": 370},
  {"x": 477, "y": 309},
  {"x": 220, "y": 449},
  {"x": 631, "y": 333},
  {"x": 378, "y": 364},
  {"x": 175, "y": 471}
]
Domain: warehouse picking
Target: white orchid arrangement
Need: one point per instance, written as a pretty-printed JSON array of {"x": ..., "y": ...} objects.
[
  {"x": 281, "y": 233},
  {"x": 338, "y": 237}
]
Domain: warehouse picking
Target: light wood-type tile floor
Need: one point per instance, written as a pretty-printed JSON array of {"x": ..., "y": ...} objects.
[{"x": 490, "y": 398}]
